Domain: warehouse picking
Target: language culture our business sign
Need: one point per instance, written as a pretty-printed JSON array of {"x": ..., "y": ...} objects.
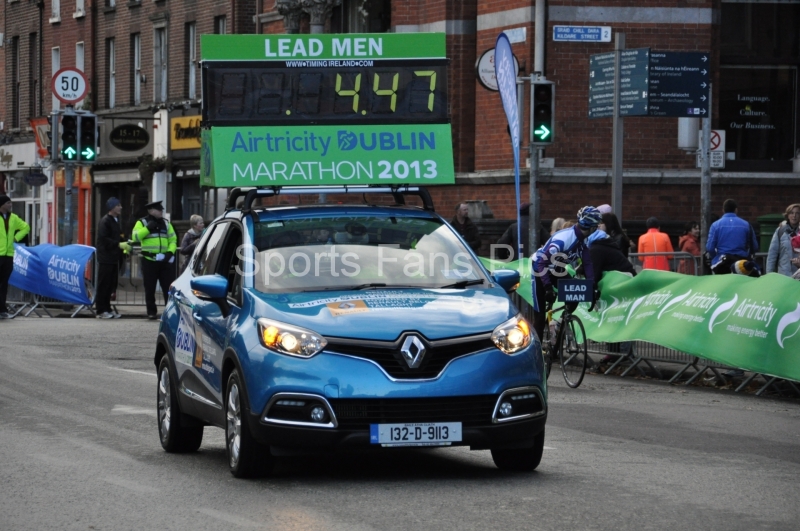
[{"x": 325, "y": 110}]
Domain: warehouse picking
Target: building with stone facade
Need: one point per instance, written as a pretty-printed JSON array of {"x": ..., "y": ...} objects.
[{"x": 141, "y": 58}]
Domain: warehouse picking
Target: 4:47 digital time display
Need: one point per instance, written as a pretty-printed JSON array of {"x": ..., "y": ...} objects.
[{"x": 325, "y": 92}]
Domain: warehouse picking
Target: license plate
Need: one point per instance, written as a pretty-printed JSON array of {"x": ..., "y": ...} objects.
[{"x": 415, "y": 434}]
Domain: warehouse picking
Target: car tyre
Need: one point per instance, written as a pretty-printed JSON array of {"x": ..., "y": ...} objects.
[
  {"x": 520, "y": 459},
  {"x": 175, "y": 437},
  {"x": 247, "y": 458}
]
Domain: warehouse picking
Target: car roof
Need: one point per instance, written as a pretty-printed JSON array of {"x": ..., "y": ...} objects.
[{"x": 305, "y": 211}]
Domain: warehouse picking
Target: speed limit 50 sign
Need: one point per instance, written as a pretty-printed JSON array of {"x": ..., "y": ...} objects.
[{"x": 69, "y": 85}]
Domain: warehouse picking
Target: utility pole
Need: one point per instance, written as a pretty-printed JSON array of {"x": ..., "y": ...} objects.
[
  {"x": 617, "y": 131},
  {"x": 705, "y": 177}
]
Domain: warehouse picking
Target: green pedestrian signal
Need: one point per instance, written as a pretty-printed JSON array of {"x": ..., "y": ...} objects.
[
  {"x": 544, "y": 112},
  {"x": 69, "y": 137}
]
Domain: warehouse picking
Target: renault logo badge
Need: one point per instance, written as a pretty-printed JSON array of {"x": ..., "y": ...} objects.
[{"x": 413, "y": 351}]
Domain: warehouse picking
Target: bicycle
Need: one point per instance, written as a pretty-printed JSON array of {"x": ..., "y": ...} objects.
[{"x": 572, "y": 352}]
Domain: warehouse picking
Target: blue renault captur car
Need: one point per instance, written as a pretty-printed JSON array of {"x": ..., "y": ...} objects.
[{"x": 317, "y": 327}]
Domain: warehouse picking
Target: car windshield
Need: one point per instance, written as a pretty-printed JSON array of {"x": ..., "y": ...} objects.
[{"x": 360, "y": 252}]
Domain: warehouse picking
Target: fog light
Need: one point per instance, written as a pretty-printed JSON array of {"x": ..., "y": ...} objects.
[
  {"x": 318, "y": 413},
  {"x": 505, "y": 409}
]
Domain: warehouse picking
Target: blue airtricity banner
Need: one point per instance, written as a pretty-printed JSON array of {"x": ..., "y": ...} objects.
[{"x": 52, "y": 271}]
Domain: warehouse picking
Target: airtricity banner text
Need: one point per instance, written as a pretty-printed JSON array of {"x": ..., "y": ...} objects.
[
  {"x": 52, "y": 271},
  {"x": 327, "y": 155},
  {"x": 748, "y": 323}
]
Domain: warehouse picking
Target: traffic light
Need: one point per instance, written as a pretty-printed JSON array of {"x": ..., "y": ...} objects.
[
  {"x": 52, "y": 138},
  {"x": 69, "y": 137},
  {"x": 87, "y": 146},
  {"x": 544, "y": 112}
]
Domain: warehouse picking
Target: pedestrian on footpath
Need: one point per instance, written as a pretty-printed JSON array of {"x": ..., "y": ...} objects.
[
  {"x": 655, "y": 241},
  {"x": 110, "y": 248},
  {"x": 191, "y": 238},
  {"x": 13, "y": 229},
  {"x": 689, "y": 242},
  {"x": 465, "y": 227},
  {"x": 159, "y": 243},
  {"x": 611, "y": 226},
  {"x": 730, "y": 239},
  {"x": 781, "y": 257}
]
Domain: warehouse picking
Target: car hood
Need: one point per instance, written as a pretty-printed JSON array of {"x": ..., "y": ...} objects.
[{"x": 383, "y": 314}]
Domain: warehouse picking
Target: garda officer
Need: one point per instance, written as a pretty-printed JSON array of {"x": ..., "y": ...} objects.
[
  {"x": 159, "y": 243},
  {"x": 13, "y": 229}
]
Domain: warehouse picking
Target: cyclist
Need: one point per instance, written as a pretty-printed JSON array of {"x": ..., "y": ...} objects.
[{"x": 564, "y": 248}]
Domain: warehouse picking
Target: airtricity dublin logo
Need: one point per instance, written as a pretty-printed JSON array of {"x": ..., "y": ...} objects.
[{"x": 347, "y": 140}]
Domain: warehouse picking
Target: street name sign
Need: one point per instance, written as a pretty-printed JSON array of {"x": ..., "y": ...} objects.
[
  {"x": 582, "y": 33},
  {"x": 652, "y": 83}
]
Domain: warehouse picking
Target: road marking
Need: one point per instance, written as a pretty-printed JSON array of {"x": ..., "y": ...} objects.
[
  {"x": 130, "y": 410},
  {"x": 131, "y": 370},
  {"x": 549, "y": 448}
]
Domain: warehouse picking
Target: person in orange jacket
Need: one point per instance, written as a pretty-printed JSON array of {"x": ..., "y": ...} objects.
[{"x": 655, "y": 241}]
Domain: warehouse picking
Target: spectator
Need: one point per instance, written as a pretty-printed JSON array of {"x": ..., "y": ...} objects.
[
  {"x": 13, "y": 229},
  {"x": 730, "y": 239},
  {"x": 191, "y": 238},
  {"x": 781, "y": 257},
  {"x": 605, "y": 209},
  {"x": 612, "y": 227},
  {"x": 509, "y": 237},
  {"x": 557, "y": 225},
  {"x": 655, "y": 241},
  {"x": 465, "y": 227},
  {"x": 689, "y": 242},
  {"x": 607, "y": 256},
  {"x": 109, "y": 247}
]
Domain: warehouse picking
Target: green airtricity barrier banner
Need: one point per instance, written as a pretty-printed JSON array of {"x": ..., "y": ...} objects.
[
  {"x": 323, "y": 47},
  {"x": 749, "y": 323},
  {"x": 327, "y": 155}
]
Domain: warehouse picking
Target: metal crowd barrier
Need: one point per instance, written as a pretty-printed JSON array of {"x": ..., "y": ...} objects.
[
  {"x": 130, "y": 284},
  {"x": 17, "y": 300},
  {"x": 679, "y": 262}
]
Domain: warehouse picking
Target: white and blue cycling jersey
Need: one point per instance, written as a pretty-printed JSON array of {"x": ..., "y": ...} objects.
[{"x": 564, "y": 247}]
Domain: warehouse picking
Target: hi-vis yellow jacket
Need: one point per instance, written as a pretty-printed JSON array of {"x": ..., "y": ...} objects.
[
  {"x": 162, "y": 241},
  {"x": 17, "y": 230}
]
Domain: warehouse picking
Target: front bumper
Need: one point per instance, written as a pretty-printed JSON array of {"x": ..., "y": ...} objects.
[{"x": 347, "y": 422}]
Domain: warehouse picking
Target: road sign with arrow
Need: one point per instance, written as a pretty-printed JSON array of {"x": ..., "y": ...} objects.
[{"x": 652, "y": 83}]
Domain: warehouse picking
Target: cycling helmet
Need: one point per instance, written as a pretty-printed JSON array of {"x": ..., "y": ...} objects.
[{"x": 589, "y": 217}]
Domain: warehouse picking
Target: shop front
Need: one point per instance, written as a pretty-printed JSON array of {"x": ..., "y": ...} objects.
[
  {"x": 184, "y": 194},
  {"x": 29, "y": 186},
  {"x": 125, "y": 165}
]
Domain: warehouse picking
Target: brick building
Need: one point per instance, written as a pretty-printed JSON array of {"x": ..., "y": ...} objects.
[
  {"x": 141, "y": 61},
  {"x": 755, "y": 51}
]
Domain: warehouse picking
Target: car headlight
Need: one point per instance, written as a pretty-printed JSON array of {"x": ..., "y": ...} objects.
[
  {"x": 287, "y": 339},
  {"x": 513, "y": 335}
]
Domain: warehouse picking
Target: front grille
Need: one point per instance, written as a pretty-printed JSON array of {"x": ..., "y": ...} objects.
[
  {"x": 360, "y": 413},
  {"x": 388, "y": 355}
]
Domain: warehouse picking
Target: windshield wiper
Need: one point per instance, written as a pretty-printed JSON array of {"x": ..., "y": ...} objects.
[
  {"x": 367, "y": 286},
  {"x": 463, "y": 284}
]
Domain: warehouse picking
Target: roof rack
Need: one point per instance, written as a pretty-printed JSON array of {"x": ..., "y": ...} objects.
[{"x": 398, "y": 192}]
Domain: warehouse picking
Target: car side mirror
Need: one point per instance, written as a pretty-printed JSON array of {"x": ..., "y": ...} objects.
[
  {"x": 213, "y": 288},
  {"x": 508, "y": 279}
]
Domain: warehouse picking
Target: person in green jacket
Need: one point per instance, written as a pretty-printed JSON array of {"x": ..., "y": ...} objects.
[
  {"x": 12, "y": 230},
  {"x": 159, "y": 243}
]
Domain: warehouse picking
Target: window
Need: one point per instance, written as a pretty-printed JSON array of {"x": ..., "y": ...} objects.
[
  {"x": 79, "y": 60},
  {"x": 55, "y": 60},
  {"x": 33, "y": 75},
  {"x": 15, "y": 84},
  {"x": 112, "y": 74},
  {"x": 111, "y": 3},
  {"x": 136, "y": 71},
  {"x": 191, "y": 60},
  {"x": 220, "y": 25},
  {"x": 204, "y": 260},
  {"x": 80, "y": 8},
  {"x": 56, "y": 11},
  {"x": 362, "y": 16},
  {"x": 160, "y": 65}
]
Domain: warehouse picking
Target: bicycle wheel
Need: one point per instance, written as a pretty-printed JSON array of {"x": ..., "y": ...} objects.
[{"x": 573, "y": 353}]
